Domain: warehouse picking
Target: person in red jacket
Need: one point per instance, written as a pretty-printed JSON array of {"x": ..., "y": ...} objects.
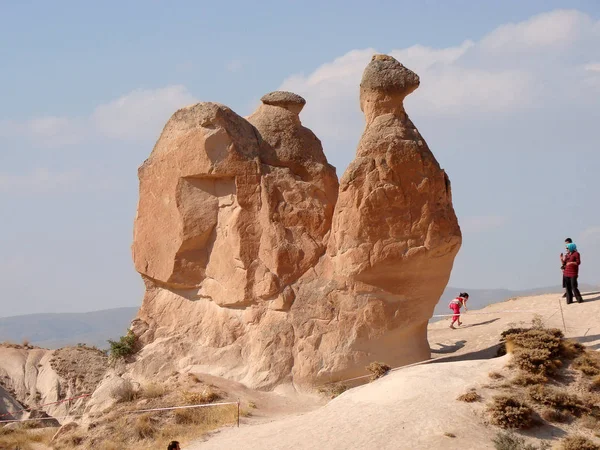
[
  {"x": 562, "y": 267},
  {"x": 572, "y": 261}
]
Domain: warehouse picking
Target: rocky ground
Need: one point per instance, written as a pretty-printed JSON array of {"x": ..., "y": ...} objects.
[{"x": 417, "y": 407}]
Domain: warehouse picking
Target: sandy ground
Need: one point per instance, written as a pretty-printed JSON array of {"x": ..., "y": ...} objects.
[{"x": 413, "y": 407}]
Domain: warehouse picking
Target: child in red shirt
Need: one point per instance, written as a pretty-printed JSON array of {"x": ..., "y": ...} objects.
[{"x": 455, "y": 306}]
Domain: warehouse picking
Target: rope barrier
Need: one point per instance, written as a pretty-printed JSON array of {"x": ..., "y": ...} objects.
[
  {"x": 495, "y": 312},
  {"x": 170, "y": 408},
  {"x": 205, "y": 405}
]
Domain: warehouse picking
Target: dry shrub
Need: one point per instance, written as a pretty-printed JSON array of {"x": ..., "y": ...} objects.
[
  {"x": 509, "y": 412},
  {"x": 495, "y": 375},
  {"x": 124, "y": 392},
  {"x": 576, "y": 442},
  {"x": 333, "y": 390},
  {"x": 529, "y": 379},
  {"x": 587, "y": 364},
  {"x": 198, "y": 398},
  {"x": 590, "y": 422},
  {"x": 210, "y": 417},
  {"x": 153, "y": 390},
  {"x": 535, "y": 350},
  {"x": 23, "y": 439},
  {"x": 469, "y": 397},
  {"x": 557, "y": 398},
  {"x": 378, "y": 370},
  {"x": 450, "y": 435},
  {"x": 595, "y": 386},
  {"x": 70, "y": 440},
  {"x": 571, "y": 349},
  {"x": 144, "y": 427},
  {"x": 555, "y": 415},
  {"x": 510, "y": 441}
]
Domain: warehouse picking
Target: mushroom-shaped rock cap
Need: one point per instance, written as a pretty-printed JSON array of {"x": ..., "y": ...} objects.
[
  {"x": 386, "y": 75},
  {"x": 288, "y": 100}
]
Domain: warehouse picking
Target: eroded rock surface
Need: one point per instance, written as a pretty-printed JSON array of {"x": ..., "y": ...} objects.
[{"x": 259, "y": 267}]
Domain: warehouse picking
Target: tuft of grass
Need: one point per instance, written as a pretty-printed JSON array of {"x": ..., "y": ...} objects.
[
  {"x": 469, "y": 397},
  {"x": 450, "y": 435},
  {"x": 577, "y": 442},
  {"x": 587, "y": 364},
  {"x": 595, "y": 386},
  {"x": 333, "y": 390},
  {"x": 590, "y": 422},
  {"x": 557, "y": 398},
  {"x": 152, "y": 390},
  {"x": 495, "y": 375},
  {"x": 509, "y": 412},
  {"x": 555, "y": 415},
  {"x": 529, "y": 379},
  {"x": 378, "y": 370}
]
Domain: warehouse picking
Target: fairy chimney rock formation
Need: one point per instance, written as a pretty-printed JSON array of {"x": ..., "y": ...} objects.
[{"x": 261, "y": 268}]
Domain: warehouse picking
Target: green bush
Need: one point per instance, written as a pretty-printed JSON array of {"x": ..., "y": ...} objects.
[{"x": 125, "y": 346}]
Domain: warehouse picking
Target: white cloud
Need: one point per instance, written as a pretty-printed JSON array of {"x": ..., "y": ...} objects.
[
  {"x": 549, "y": 30},
  {"x": 40, "y": 180},
  {"x": 138, "y": 115},
  {"x": 533, "y": 67},
  {"x": 478, "y": 224}
]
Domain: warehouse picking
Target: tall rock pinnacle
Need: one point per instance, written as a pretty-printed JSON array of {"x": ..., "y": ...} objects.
[{"x": 259, "y": 267}]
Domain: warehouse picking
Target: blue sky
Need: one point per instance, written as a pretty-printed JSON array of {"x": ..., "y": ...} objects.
[{"x": 509, "y": 104}]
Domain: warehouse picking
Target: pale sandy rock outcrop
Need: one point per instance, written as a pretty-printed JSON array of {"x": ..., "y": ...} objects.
[
  {"x": 260, "y": 268},
  {"x": 39, "y": 379}
]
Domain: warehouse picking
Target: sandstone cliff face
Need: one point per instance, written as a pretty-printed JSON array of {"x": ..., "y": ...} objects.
[{"x": 259, "y": 267}]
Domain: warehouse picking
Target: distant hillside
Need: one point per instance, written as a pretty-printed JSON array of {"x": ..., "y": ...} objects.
[
  {"x": 94, "y": 328},
  {"x": 61, "y": 329}
]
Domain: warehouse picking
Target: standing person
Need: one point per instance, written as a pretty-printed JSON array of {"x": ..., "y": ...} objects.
[
  {"x": 571, "y": 273},
  {"x": 562, "y": 267},
  {"x": 455, "y": 306}
]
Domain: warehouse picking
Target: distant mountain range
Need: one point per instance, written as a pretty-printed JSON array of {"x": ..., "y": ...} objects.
[
  {"x": 62, "y": 329},
  {"x": 95, "y": 328}
]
